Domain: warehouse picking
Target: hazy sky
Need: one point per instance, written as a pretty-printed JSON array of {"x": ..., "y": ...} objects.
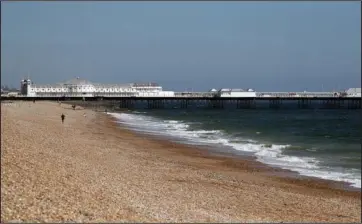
[{"x": 267, "y": 46}]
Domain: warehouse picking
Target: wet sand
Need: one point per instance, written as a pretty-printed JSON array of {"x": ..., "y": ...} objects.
[{"x": 91, "y": 169}]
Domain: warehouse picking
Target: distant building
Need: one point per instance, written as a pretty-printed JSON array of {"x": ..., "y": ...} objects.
[
  {"x": 82, "y": 88},
  {"x": 236, "y": 93},
  {"x": 353, "y": 92}
]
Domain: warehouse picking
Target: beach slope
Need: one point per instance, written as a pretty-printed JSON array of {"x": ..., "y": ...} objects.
[{"x": 90, "y": 169}]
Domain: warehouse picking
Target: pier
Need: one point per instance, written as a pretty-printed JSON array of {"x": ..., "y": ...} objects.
[
  {"x": 240, "y": 103},
  {"x": 152, "y": 96},
  {"x": 207, "y": 100}
]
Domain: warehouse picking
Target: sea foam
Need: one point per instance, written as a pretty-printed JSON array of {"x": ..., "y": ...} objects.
[{"x": 271, "y": 154}]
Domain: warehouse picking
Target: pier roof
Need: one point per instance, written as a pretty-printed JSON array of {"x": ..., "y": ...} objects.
[
  {"x": 146, "y": 84},
  {"x": 77, "y": 81},
  {"x": 58, "y": 85},
  {"x": 99, "y": 85},
  {"x": 232, "y": 90},
  {"x": 353, "y": 90}
]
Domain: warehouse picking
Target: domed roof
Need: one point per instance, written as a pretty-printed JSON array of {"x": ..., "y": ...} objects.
[{"x": 78, "y": 81}]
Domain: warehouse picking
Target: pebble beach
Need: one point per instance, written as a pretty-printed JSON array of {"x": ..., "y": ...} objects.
[{"x": 90, "y": 169}]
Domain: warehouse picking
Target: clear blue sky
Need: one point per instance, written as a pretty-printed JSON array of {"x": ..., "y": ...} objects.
[{"x": 267, "y": 46}]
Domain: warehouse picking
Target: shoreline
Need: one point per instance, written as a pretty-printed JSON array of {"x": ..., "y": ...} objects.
[
  {"x": 276, "y": 171},
  {"x": 91, "y": 169},
  {"x": 279, "y": 173}
]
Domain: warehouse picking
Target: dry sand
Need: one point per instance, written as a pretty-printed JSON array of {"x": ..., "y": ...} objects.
[{"x": 91, "y": 170}]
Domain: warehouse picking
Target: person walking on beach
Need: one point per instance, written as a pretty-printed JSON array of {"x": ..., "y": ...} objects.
[{"x": 63, "y": 117}]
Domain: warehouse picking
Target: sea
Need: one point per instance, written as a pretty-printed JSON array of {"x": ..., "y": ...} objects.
[{"x": 322, "y": 143}]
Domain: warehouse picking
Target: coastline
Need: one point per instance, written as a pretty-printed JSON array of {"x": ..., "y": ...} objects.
[
  {"x": 233, "y": 159},
  {"x": 225, "y": 151},
  {"x": 133, "y": 177}
]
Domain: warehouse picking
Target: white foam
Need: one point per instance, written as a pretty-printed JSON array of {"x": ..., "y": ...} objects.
[
  {"x": 171, "y": 122},
  {"x": 272, "y": 155},
  {"x": 139, "y": 112}
]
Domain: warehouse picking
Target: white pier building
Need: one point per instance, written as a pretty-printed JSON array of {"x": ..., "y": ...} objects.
[
  {"x": 236, "y": 93},
  {"x": 353, "y": 92},
  {"x": 82, "y": 88}
]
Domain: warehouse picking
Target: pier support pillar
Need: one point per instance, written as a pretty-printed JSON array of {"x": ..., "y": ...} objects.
[
  {"x": 150, "y": 104},
  {"x": 325, "y": 104},
  {"x": 155, "y": 104},
  {"x": 217, "y": 104},
  {"x": 275, "y": 103},
  {"x": 336, "y": 103},
  {"x": 126, "y": 104},
  {"x": 184, "y": 104},
  {"x": 245, "y": 104},
  {"x": 354, "y": 103},
  {"x": 304, "y": 103}
]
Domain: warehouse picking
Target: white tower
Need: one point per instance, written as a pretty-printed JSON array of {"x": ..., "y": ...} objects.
[{"x": 25, "y": 86}]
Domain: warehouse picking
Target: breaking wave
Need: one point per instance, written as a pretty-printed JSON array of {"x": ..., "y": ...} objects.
[{"x": 269, "y": 154}]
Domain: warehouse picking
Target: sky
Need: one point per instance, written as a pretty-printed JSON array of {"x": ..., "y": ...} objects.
[{"x": 195, "y": 46}]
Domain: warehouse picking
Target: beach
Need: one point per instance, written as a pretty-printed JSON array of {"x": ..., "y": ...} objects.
[{"x": 90, "y": 169}]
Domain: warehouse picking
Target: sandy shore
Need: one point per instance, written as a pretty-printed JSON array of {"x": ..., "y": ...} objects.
[{"x": 89, "y": 169}]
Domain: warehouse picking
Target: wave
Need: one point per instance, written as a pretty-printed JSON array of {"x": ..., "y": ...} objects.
[
  {"x": 271, "y": 154},
  {"x": 139, "y": 112}
]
